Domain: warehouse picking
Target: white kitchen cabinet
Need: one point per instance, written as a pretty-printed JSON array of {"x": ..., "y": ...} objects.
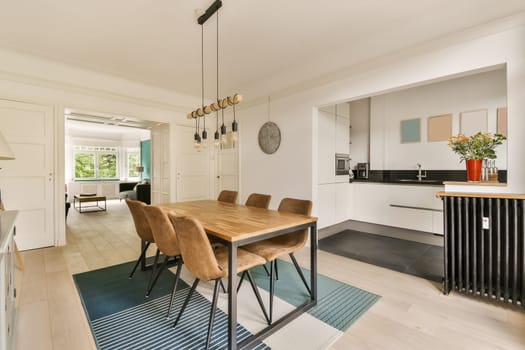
[
  {"x": 408, "y": 206},
  {"x": 344, "y": 199},
  {"x": 326, "y": 148},
  {"x": 342, "y": 135},
  {"x": 326, "y": 205}
]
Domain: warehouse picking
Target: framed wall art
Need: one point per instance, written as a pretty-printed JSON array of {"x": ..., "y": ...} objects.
[
  {"x": 410, "y": 130},
  {"x": 502, "y": 121},
  {"x": 472, "y": 122},
  {"x": 439, "y": 128}
]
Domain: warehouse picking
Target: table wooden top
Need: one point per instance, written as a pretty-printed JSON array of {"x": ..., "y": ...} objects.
[
  {"x": 89, "y": 198},
  {"x": 481, "y": 195},
  {"x": 233, "y": 222}
]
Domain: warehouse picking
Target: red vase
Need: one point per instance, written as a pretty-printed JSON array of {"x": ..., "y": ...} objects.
[{"x": 474, "y": 170}]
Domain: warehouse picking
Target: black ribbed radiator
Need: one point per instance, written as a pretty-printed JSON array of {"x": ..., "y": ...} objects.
[{"x": 484, "y": 247}]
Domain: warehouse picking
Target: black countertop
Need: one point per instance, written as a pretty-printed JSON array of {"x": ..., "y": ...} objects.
[{"x": 409, "y": 177}]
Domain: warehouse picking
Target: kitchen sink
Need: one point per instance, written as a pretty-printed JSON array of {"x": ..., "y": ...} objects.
[{"x": 423, "y": 181}]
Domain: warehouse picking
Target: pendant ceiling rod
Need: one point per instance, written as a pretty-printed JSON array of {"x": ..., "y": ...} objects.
[{"x": 209, "y": 12}]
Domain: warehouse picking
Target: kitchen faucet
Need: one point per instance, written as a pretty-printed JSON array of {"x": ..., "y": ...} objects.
[{"x": 420, "y": 176}]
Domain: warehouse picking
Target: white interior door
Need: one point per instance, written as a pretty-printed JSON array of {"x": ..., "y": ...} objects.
[
  {"x": 160, "y": 164},
  {"x": 27, "y": 183},
  {"x": 227, "y": 170},
  {"x": 193, "y": 168}
]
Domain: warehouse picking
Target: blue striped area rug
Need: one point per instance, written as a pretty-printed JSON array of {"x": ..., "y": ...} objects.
[
  {"x": 146, "y": 327},
  {"x": 121, "y": 318}
]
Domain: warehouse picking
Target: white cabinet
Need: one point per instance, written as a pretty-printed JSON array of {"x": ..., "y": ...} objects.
[
  {"x": 7, "y": 280},
  {"x": 342, "y": 134},
  {"x": 344, "y": 201},
  {"x": 336, "y": 203},
  {"x": 408, "y": 206},
  {"x": 326, "y": 205},
  {"x": 326, "y": 148}
]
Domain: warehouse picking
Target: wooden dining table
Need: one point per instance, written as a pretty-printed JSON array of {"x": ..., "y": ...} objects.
[{"x": 236, "y": 225}]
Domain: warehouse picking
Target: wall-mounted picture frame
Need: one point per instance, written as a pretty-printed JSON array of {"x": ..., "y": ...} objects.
[
  {"x": 502, "y": 121},
  {"x": 472, "y": 122},
  {"x": 439, "y": 127},
  {"x": 410, "y": 130}
]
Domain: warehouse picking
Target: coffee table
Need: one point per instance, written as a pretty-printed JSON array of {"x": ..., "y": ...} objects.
[{"x": 79, "y": 199}]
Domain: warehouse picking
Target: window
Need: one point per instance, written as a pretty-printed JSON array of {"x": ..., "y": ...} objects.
[
  {"x": 133, "y": 163},
  {"x": 95, "y": 162}
]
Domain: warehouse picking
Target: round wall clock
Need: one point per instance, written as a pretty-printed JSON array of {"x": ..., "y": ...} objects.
[{"x": 269, "y": 138}]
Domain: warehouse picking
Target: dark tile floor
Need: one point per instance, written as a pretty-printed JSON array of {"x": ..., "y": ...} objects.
[{"x": 418, "y": 259}]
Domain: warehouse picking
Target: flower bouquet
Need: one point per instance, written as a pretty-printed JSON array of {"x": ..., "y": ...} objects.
[{"x": 474, "y": 149}]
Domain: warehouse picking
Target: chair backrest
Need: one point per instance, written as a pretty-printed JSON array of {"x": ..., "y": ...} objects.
[
  {"x": 297, "y": 206},
  {"x": 228, "y": 196},
  {"x": 139, "y": 218},
  {"x": 258, "y": 200},
  {"x": 196, "y": 249},
  {"x": 162, "y": 229}
]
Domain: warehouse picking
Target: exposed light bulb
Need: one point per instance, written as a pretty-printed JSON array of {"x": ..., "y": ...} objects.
[
  {"x": 204, "y": 142},
  {"x": 197, "y": 141},
  {"x": 235, "y": 133},
  {"x": 217, "y": 139}
]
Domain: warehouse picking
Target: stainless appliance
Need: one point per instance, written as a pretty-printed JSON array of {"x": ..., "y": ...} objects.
[
  {"x": 362, "y": 170},
  {"x": 342, "y": 163}
]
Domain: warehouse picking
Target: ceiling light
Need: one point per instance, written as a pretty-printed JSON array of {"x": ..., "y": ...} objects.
[{"x": 220, "y": 104}]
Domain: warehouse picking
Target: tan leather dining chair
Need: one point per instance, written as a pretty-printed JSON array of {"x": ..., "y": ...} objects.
[
  {"x": 167, "y": 242},
  {"x": 208, "y": 264},
  {"x": 258, "y": 200},
  {"x": 273, "y": 248},
  {"x": 142, "y": 227},
  {"x": 228, "y": 196}
]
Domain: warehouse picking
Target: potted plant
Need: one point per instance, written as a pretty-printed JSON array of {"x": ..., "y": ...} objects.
[{"x": 473, "y": 149}]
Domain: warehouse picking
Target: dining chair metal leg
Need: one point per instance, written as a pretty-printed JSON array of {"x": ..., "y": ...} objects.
[
  {"x": 194, "y": 285},
  {"x": 276, "y": 270},
  {"x": 266, "y": 269},
  {"x": 159, "y": 272},
  {"x": 240, "y": 280},
  {"x": 272, "y": 287},
  {"x": 298, "y": 268},
  {"x": 222, "y": 287},
  {"x": 212, "y": 312},
  {"x": 142, "y": 254},
  {"x": 258, "y": 295},
  {"x": 177, "y": 276},
  {"x": 153, "y": 270}
]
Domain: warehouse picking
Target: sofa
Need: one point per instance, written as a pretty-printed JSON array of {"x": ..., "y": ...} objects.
[{"x": 136, "y": 191}]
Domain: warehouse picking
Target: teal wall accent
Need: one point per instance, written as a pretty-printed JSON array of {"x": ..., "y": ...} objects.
[{"x": 145, "y": 158}]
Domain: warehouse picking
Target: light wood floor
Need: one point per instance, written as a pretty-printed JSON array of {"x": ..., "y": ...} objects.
[{"x": 411, "y": 314}]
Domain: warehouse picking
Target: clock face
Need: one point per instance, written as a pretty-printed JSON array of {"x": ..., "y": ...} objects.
[{"x": 269, "y": 137}]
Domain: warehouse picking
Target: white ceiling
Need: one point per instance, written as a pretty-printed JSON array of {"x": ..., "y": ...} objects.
[{"x": 265, "y": 46}]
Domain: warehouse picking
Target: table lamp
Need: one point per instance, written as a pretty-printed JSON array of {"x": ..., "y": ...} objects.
[{"x": 140, "y": 170}]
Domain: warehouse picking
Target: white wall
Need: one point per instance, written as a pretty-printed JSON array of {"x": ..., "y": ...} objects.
[
  {"x": 486, "y": 90},
  {"x": 292, "y": 171},
  {"x": 287, "y": 171}
]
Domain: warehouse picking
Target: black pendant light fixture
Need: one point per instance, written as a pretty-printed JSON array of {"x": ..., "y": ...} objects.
[{"x": 220, "y": 136}]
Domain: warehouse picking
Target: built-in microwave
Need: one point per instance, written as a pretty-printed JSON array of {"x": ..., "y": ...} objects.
[{"x": 342, "y": 163}]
